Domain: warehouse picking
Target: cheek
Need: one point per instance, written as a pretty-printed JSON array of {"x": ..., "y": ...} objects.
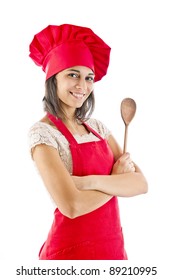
[
  {"x": 90, "y": 88},
  {"x": 61, "y": 89}
]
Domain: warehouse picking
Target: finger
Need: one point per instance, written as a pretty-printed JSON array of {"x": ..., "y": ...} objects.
[
  {"x": 124, "y": 158},
  {"x": 131, "y": 163},
  {"x": 133, "y": 169}
]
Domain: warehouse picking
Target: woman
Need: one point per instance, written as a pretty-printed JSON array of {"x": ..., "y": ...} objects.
[{"x": 80, "y": 162}]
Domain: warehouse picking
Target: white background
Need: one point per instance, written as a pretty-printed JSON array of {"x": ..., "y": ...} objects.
[{"x": 140, "y": 34}]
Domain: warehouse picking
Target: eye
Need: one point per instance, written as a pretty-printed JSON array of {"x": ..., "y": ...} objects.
[
  {"x": 73, "y": 75},
  {"x": 90, "y": 79}
]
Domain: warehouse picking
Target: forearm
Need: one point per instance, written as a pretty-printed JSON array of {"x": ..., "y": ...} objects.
[
  {"x": 71, "y": 201},
  {"x": 123, "y": 185}
]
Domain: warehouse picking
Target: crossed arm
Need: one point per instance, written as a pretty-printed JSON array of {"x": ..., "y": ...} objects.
[
  {"x": 75, "y": 196},
  {"x": 126, "y": 178}
]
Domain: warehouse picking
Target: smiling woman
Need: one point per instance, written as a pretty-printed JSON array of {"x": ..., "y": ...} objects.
[
  {"x": 74, "y": 95},
  {"x": 76, "y": 82},
  {"x": 80, "y": 162}
]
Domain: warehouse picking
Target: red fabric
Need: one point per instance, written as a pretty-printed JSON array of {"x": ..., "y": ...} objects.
[
  {"x": 98, "y": 234},
  {"x": 56, "y": 48}
]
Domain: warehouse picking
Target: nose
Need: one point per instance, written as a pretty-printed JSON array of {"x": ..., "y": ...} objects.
[{"x": 81, "y": 84}]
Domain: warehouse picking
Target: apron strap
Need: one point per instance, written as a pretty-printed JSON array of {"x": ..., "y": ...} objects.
[
  {"x": 62, "y": 128},
  {"x": 92, "y": 130}
]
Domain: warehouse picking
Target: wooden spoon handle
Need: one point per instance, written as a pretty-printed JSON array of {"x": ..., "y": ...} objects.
[{"x": 125, "y": 138}]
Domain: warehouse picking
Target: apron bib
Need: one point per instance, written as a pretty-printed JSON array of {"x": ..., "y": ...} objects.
[{"x": 96, "y": 235}]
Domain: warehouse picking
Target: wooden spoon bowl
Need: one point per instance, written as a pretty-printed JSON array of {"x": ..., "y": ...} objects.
[{"x": 128, "y": 110}]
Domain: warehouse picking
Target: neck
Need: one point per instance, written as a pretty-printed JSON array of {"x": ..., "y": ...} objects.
[{"x": 69, "y": 113}]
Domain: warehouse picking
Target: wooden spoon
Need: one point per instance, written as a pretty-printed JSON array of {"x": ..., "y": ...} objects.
[{"x": 128, "y": 109}]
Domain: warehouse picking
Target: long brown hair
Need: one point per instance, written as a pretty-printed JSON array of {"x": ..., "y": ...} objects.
[{"x": 52, "y": 103}]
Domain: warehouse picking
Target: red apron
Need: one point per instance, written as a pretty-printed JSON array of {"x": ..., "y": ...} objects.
[{"x": 96, "y": 235}]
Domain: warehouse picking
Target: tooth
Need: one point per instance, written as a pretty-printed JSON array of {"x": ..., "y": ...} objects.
[{"x": 78, "y": 95}]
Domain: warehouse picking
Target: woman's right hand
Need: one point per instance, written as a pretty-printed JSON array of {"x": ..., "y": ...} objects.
[{"x": 124, "y": 164}]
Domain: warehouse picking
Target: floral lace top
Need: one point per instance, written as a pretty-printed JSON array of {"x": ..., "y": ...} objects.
[{"x": 43, "y": 133}]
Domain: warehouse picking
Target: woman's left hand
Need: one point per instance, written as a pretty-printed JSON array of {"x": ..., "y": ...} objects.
[{"x": 123, "y": 165}]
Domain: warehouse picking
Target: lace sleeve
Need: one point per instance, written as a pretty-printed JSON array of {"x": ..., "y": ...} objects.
[{"x": 39, "y": 133}]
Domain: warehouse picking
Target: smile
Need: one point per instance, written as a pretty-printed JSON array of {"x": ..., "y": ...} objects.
[{"x": 77, "y": 95}]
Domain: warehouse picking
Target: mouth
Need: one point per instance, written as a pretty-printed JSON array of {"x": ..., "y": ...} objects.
[{"x": 77, "y": 95}]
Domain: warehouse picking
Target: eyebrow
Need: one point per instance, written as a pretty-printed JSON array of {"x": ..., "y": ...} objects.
[{"x": 79, "y": 71}]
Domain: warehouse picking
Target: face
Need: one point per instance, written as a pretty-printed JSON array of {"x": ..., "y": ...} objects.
[{"x": 74, "y": 86}]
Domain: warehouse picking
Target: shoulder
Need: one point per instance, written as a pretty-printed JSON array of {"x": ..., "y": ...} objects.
[
  {"x": 41, "y": 128},
  {"x": 42, "y": 133},
  {"x": 99, "y": 126}
]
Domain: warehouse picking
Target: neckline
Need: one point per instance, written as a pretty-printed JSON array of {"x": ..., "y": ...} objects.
[
  {"x": 55, "y": 128},
  {"x": 64, "y": 130}
]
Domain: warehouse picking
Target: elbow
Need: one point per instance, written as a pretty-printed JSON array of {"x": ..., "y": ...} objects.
[
  {"x": 140, "y": 185},
  {"x": 70, "y": 211},
  {"x": 75, "y": 210},
  {"x": 144, "y": 186},
  {"x": 70, "y": 214}
]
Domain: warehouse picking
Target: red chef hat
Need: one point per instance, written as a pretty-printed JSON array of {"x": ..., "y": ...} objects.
[{"x": 56, "y": 48}]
